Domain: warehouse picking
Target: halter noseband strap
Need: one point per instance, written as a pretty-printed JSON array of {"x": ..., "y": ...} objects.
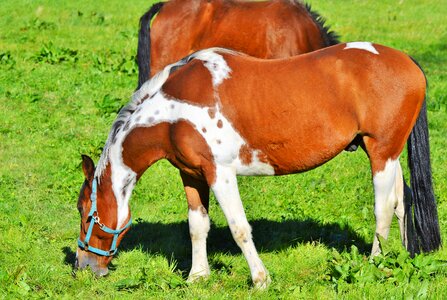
[{"x": 94, "y": 219}]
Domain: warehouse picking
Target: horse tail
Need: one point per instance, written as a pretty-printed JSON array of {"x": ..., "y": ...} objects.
[
  {"x": 144, "y": 44},
  {"x": 425, "y": 235}
]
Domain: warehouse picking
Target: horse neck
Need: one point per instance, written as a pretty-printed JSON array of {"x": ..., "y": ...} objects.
[
  {"x": 143, "y": 146},
  {"x": 128, "y": 158},
  {"x": 118, "y": 182}
]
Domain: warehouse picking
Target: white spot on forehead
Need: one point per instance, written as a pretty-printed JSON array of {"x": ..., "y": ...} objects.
[
  {"x": 361, "y": 45},
  {"x": 217, "y": 66}
]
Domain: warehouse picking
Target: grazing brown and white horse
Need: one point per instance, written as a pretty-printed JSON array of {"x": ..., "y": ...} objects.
[
  {"x": 267, "y": 29},
  {"x": 217, "y": 114}
]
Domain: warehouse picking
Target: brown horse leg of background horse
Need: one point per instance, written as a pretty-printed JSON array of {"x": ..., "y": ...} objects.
[{"x": 197, "y": 194}]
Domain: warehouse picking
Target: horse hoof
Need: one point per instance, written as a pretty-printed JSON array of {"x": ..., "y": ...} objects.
[
  {"x": 262, "y": 284},
  {"x": 197, "y": 276}
]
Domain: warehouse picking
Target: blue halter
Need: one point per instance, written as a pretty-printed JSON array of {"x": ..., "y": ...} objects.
[{"x": 95, "y": 218}]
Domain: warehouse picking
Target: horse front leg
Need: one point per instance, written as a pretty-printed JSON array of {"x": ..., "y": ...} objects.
[
  {"x": 225, "y": 189},
  {"x": 197, "y": 194}
]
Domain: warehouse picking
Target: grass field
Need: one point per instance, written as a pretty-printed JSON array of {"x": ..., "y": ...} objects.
[{"x": 65, "y": 69}]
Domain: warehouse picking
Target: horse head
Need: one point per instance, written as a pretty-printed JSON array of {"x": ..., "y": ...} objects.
[{"x": 98, "y": 241}]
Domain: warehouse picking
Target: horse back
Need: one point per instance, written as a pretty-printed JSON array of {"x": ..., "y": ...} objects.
[
  {"x": 268, "y": 29},
  {"x": 352, "y": 81},
  {"x": 302, "y": 111}
]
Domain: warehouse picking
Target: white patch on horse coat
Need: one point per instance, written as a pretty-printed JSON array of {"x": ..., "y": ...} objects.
[
  {"x": 224, "y": 141},
  {"x": 119, "y": 173},
  {"x": 361, "y": 45},
  {"x": 217, "y": 66},
  {"x": 386, "y": 198}
]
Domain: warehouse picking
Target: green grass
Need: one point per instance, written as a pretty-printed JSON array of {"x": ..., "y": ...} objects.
[{"x": 65, "y": 67}]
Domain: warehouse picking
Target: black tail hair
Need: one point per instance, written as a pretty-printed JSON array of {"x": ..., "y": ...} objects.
[
  {"x": 427, "y": 235},
  {"x": 144, "y": 44}
]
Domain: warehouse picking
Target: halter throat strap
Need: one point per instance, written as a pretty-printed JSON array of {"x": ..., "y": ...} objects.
[{"x": 94, "y": 219}]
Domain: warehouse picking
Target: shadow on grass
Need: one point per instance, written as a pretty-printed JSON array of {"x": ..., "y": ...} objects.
[
  {"x": 172, "y": 240},
  {"x": 70, "y": 256}
]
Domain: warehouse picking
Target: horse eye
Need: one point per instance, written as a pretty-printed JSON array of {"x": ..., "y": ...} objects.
[{"x": 80, "y": 207}]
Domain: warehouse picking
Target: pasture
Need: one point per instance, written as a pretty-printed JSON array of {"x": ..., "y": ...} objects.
[{"x": 65, "y": 70}]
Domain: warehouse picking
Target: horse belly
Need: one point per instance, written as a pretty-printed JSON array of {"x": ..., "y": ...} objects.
[
  {"x": 295, "y": 146},
  {"x": 291, "y": 135},
  {"x": 296, "y": 158}
]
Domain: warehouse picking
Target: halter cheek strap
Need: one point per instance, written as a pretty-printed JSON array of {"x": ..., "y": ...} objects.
[{"x": 94, "y": 219}]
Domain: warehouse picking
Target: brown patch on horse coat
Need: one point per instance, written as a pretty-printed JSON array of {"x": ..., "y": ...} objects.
[
  {"x": 191, "y": 153},
  {"x": 219, "y": 124},
  {"x": 182, "y": 83},
  {"x": 267, "y": 29},
  {"x": 145, "y": 145},
  {"x": 263, "y": 158},
  {"x": 245, "y": 154}
]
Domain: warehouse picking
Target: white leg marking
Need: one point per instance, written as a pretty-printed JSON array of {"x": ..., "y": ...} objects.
[
  {"x": 401, "y": 186},
  {"x": 199, "y": 225},
  {"x": 227, "y": 194},
  {"x": 386, "y": 200},
  {"x": 363, "y": 46}
]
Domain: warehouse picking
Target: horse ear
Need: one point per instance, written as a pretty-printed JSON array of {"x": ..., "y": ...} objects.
[{"x": 88, "y": 167}]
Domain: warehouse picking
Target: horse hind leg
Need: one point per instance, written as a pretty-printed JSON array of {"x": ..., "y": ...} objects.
[
  {"x": 388, "y": 195},
  {"x": 403, "y": 208},
  {"x": 226, "y": 191},
  {"x": 197, "y": 194}
]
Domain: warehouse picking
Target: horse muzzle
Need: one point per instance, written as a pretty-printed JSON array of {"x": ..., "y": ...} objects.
[{"x": 85, "y": 259}]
